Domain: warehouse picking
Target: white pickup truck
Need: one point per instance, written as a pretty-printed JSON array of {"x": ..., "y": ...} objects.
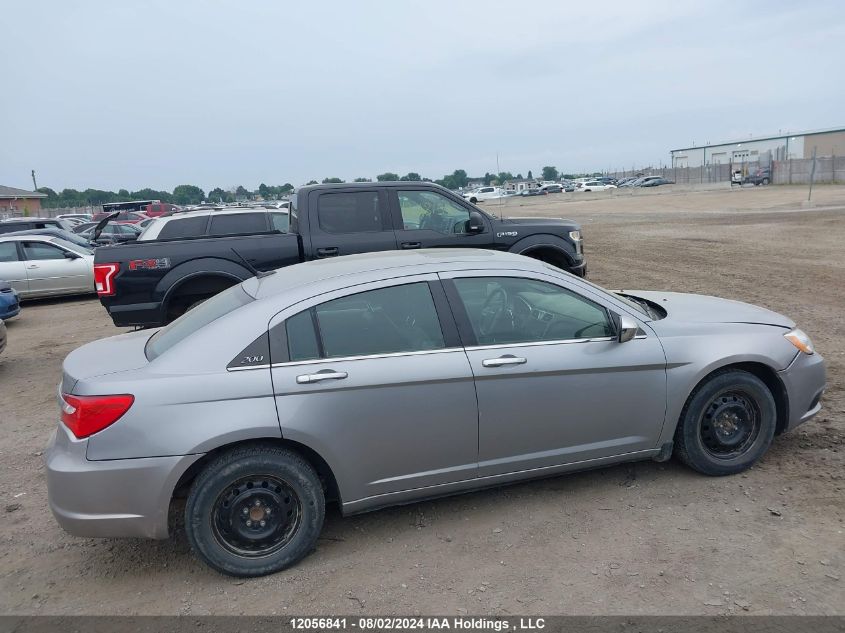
[{"x": 483, "y": 193}]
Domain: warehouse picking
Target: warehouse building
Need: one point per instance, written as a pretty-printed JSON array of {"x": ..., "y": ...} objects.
[{"x": 763, "y": 150}]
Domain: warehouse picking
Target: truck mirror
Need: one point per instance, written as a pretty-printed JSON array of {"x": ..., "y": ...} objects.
[{"x": 475, "y": 224}]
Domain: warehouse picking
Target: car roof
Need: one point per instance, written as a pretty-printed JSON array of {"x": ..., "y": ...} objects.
[
  {"x": 17, "y": 237},
  {"x": 218, "y": 211},
  {"x": 387, "y": 264},
  {"x": 29, "y": 219},
  {"x": 370, "y": 185}
]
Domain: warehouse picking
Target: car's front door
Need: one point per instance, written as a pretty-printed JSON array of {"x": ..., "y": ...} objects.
[
  {"x": 428, "y": 219},
  {"x": 343, "y": 222},
  {"x": 554, "y": 386},
  {"x": 50, "y": 271},
  {"x": 377, "y": 383},
  {"x": 12, "y": 268}
]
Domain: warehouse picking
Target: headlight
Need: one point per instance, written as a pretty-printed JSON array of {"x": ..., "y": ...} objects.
[
  {"x": 800, "y": 340},
  {"x": 575, "y": 236}
]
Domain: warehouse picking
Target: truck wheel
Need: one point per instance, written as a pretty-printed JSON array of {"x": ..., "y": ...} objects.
[
  {"x": 255, "y": 511},
  {"x": 765, "y": 181},
  {"x": 473, "y": 200},
  {"x": 727, "y": 424}
]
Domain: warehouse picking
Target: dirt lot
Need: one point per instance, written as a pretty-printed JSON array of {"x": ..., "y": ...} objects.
[{"x": 646, "y": 538}]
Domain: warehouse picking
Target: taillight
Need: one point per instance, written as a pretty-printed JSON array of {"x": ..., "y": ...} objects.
[
  {"x": 86, "y": 415},
  {"x": 104, "y": 278}
]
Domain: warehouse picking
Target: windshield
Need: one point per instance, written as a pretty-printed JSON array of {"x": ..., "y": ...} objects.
[{"x": 219, "y": 305}]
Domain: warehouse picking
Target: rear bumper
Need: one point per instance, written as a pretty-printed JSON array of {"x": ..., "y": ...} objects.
[
  {"x": 114, "y": 498},
  {"x": 9, "y": 307},
  {"x": 804, "y": 381},
  {"x": 135, "y": 314}
]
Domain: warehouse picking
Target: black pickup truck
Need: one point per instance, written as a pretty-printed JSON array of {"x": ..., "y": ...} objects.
[{"x": 199, "y": 253}]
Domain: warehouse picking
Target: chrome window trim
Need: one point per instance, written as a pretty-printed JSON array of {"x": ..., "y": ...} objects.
[
  {"x": 340, "y": 359},
  {"x": 567, "y": 341}
]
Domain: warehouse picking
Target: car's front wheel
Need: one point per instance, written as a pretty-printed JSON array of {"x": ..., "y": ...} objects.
[
  {"x": 727, "y": 424},
  {"x": 254, "y": 511}
]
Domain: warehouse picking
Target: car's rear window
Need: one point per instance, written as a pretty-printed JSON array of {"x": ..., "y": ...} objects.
[
  {"x": 219, "y": 305},
  {"x": 234, "y": 223},
  {"x": 184, "y": 227}
]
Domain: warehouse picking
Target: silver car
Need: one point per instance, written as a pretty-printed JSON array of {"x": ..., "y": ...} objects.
[
  {"x": 384, "y": 378},
  {"x": 46, "y": 266}
]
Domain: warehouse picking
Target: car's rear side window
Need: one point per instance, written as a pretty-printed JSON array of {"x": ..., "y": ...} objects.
[
  {"x": 234, "y": 223},
  {"x": 184, "y": 227},
  {"x": 8, "y": 252},
  {"x": 219, "y": 305},
  {"x": 383, "y": 321},
  {"x": 350, "y": 212}
]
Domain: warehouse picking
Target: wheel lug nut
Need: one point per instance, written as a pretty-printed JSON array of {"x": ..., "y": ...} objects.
[
  {"x": 249, "y": 523},
  {"x": 246, "y": 510},
  {"x": 262, "y": 524},
  {"x": 267, "y": 511}
]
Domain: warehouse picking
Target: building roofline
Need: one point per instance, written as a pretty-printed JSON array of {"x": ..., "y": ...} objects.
[{"x": 761, "y": 138}]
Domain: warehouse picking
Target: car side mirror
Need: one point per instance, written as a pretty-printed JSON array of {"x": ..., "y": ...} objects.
[
  {"x": 475, "y": 224},
  {"x": 69, "y": 255},
  {"x": 626, "y": 328}
]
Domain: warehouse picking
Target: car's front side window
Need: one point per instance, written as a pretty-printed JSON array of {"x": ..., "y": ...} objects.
[
  {"x": 505, "y": 310},
  {"x": 432, "y": 211},
  {"x": 382, "y": 321},
  {"x": 41, "y": 251}
]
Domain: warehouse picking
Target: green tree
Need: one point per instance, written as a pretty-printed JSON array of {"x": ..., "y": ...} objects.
[
  {"x": 530, "y": 177},
  {"x": 188, "y": 194},
  {"x": 550, "y": 173},
  {"x": 363, "y": 180},
  {"x": 568, "y": 176},
  {"x": 285, "y": 188},
  {"x": 264, "y": 191},
  {"x": 311, "y": 182},
  {"x": 328, "y": 181},
  {"x": 241, "y": 193},
  {"x": 411, "y": 177},
  {"x": 387, "y": 176},
  {"x": 220, "y": 195},
  {"x": 123, "y": 194},
  {"x": 504, "y": 176}
]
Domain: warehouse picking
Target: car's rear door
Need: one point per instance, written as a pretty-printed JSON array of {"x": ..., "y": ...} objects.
[
  {"x": 374, "y": 379},
  {"x": 554, "y": 386},
  {"x": 12, "y": 268},
  {"x": 346, "y": 221}
]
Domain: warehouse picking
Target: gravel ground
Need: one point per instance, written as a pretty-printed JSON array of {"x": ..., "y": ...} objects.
[{"x": 644, "y": 538}]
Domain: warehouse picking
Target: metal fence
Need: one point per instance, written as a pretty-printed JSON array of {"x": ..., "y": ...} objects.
[{"x": 795, "y": 171}]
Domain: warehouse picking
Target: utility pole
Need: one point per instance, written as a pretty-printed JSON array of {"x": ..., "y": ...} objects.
[
  {"x": 34, "y": 184},
  {"x": 812, "y": 173}
]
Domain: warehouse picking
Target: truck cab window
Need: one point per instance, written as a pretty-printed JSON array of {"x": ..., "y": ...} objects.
[
  {"x": 350, "y": 212},
  {"x": 432, "y": 211}
]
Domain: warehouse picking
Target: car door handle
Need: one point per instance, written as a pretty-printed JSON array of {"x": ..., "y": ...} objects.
[
  {"x": 503, "y": 360},
  {"x": 327, "y": 252},
  {"x": 31, "y": 266},
  {"x": 305, "y": 379},
  {"x": 409, "y": 245}
]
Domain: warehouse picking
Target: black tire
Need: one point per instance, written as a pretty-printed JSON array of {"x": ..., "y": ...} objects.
[
  {"x": 765, "y": 181},
  {"x": 221, "y": 514},
  {"x": 727, "y": 424},
  {"x": 474, "y": 200}
]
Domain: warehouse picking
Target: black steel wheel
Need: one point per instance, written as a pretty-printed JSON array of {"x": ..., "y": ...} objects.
[
  {"x": 255, "y": 510},
  {"x": 727, "y": 424},
  {"x": 256, "y": 516}
]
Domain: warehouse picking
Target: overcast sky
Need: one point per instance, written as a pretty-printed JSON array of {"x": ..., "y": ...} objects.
[{"x": 133, "y": 94}]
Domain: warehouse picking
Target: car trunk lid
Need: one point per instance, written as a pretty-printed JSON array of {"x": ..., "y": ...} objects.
[{"x": 124, "y": 352}]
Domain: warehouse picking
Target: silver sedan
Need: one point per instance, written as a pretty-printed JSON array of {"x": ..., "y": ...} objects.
[
  {"x": 385, "y": 378},
  {"x": 46, "y": 266}
]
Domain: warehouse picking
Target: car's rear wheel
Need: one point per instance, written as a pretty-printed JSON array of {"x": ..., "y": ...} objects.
[
  {"x": 727, "y": 424},
  {"x": 255, "y": 511}
]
